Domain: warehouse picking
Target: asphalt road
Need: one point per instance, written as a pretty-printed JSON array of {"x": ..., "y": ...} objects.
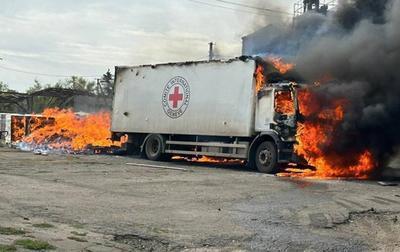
[{"x": 112, "y": 206}]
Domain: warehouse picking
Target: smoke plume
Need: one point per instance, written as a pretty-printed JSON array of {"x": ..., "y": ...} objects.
[{"x": 358, "y": 46}]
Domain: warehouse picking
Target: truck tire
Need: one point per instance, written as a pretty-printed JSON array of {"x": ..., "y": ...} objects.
[
  {"x": 154, "y": 146},
  {"x": 266, "y": 157}
]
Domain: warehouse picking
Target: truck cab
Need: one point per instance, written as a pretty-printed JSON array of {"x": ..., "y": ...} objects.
[{"x": 277, "y": 112}]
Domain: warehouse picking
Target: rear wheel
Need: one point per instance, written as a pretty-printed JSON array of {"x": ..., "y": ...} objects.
[
  {"x": 266, "y": 157},
  {"x": 154, "y": 147}
]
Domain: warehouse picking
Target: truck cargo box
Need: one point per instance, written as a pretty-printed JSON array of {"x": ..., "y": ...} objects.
[{"x": 193, "y": 98}]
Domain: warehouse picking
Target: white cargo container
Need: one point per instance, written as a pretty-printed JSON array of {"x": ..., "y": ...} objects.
[{"x": 208, "y": 108}]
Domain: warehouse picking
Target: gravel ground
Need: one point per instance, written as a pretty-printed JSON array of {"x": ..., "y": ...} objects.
[{"x": 99, "y": 203}]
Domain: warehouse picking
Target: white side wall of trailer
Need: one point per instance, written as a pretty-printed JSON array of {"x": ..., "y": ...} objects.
[
  {"x": 216, "y": 98},
  {"x": 5, "y": 125}
]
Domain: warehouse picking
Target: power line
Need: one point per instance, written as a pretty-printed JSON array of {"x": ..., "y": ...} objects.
[
  {"x": 44, "y": 74},
  {"x": 254, "y": 7},
  {"x": 228, "y": 8}
]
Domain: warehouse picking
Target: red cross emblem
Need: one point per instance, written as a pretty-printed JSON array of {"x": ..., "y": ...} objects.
[{"x": 175, "y": 97}]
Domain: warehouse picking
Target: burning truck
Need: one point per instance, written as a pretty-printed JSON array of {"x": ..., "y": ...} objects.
[{"x": 221, "y": 109}]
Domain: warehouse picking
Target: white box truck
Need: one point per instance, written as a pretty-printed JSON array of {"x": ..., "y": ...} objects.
[{"x": 207, "y": 108}]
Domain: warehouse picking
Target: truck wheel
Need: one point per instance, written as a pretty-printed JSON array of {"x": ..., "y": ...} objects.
[
  {"x": 266, "y": 157},
  {"x": 153, "y": 147}
]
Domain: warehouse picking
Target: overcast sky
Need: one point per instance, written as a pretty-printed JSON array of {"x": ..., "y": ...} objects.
[{"x": 87, "y": 37}]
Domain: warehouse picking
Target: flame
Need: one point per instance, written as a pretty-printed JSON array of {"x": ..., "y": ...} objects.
[
  {"x": 284, "y": 103},
  {"x": 277, "y": 63},
  {"x": 281, "y": 66},
  {"x": 207, "y": 159},
  {"x": 17, "y": 128},
  {"x": 317, "y": 133},
  {"x": 260, "y": 79},
  {"x": 64, "y": 129}
]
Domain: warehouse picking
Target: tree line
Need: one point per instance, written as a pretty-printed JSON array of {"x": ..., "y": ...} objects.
[{"x": 103, "y": 87}]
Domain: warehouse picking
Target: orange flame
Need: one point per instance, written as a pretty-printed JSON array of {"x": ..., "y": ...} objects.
[
  {"x": 281, "y": 66},
  {"x": 66, "y": 130},
  {"x": 260, "y": 80},
  {"x": 207, "y": 159},
  {"x": 17, "y": 128},
  {"x": 312, "y": 135},
  {"x": 284, "y": 103}
]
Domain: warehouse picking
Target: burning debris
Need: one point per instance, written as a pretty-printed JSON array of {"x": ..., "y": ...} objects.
[{"x": 63, "y": 130}]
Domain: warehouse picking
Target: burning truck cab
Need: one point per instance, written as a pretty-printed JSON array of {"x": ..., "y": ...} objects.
[
  {"x": 277, "y": 111},
  {"x": 221, "y": 109}
]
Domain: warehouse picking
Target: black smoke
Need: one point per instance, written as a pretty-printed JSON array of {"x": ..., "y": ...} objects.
[{"x": 359, "y": 47}]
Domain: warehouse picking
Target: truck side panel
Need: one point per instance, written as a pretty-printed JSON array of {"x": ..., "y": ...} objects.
[{"x": 221, "y": 99}]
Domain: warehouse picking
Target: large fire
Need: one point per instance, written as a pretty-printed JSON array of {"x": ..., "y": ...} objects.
[
  {"x": 66, "y": 130},
  {"x": 316, "y": 134}
]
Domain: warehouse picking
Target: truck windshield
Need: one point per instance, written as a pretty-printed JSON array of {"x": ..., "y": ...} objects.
[{"x": 284, "y": 103}]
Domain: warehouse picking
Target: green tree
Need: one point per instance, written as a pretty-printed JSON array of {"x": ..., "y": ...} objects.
[
  {"x": 79, "y": 83},
  {"x": 105, "y": 85},
  {"x": 37, "y": 86},
  {"x": 5, "y": 105}
]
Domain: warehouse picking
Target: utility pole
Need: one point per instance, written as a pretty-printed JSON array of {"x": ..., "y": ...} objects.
[{"x": 211, "y": 51}]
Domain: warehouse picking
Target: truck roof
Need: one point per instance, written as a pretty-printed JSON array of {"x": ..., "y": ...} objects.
[{"x": 185, "y": 63}]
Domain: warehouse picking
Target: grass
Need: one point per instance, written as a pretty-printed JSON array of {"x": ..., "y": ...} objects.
[
  {"x": 11, "y": 231},
  {"x": 43, "y": 225},
  {"x": 34, "y": 244},
  {"x": 77, "y": 225},
  {"x": 78, "y": 239},
  {"x": 7, "y": 248},
  {"x": 78, "y": 234}
]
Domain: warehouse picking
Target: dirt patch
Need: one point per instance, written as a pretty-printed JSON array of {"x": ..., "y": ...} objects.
[
  {"x": 379, "y": 229},
  {"x": 43, "y": 225},
  {"x": 78, "y": 239},
  {"x": 141, "y": 243}
]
